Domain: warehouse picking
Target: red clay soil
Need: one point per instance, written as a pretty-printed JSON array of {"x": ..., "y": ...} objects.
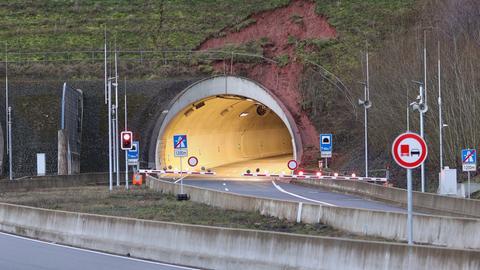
[{"x": 299, "y": 20}]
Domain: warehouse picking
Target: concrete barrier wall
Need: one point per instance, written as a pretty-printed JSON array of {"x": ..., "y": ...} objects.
[
  {"x": 422, "y": 201},
  {"x": 56, "y": 181},
  {"x": 428, "y": 229},
  {"x": 224, "y": 248}
]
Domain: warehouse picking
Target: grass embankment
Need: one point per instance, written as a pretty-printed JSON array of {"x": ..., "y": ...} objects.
[{"x": 143, "y": 203}]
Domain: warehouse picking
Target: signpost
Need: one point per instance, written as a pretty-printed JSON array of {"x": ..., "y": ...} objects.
[
  {"x": 469, "y": 164},
  {"x": 180, "y": 149},
  {"x": 292, "y": 164},
  {"x": 192, "y": 161},
  {"x": 409, "y": 150},
  {"x": 133, "y": 154},
  {"x": 326, "y": 147}
]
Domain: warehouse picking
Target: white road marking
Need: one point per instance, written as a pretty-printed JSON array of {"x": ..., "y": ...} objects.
[
  {"x": 180, "y": 179},
  {"x": 226, "y": 189},
  {"x": 96, "y": 252},
  {"x": 298, "y": 196}
]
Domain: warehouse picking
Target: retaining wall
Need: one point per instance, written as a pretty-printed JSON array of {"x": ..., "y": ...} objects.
[
  {"x": 421, "y": 201},
  {"x": 224, "y": 248},
  {"x": 428, "y": 229},
  {"x": 57, "y": 181}
]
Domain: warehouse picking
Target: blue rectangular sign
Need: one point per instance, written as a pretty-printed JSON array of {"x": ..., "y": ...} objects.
[
  {"x": 134, "y": 153},
  {"x": 469, "y": 160},
  {"x": 326, "y": 145},
  {"x": 179, "y": 141}
]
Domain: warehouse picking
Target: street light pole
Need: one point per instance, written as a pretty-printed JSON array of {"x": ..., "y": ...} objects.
[
  {"x": 126, "y": 152},
  {"x": 366, "y": 105},
  {"x": 440, "y": 120},
  {"x": 424, "y": 96}
]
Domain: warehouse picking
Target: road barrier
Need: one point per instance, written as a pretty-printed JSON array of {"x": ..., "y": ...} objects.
[
  {"x": 175, "y": 172},
  {"x": 224, "y": 248},
  {"x": 325, "y": 177},
  {"x": 421, "y": 201},
  {"x": 428, "y": 229}
]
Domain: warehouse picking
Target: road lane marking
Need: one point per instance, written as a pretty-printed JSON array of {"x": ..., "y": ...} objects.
[
  {"x": 298, "y": 196},
  {"x": 97, "y": 252},
  {"x": 180, "y": 179}
]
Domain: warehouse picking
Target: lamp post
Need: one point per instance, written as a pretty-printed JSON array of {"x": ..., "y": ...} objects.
[
  {"x": 421, "y": 106},
  {"x": 367, "y": 104}
]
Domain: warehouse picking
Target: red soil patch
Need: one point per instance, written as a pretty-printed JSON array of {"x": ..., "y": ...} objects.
[{"x": 297, "y": 20}]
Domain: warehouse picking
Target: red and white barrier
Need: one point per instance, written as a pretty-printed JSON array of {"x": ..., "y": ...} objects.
[
  {"x": 176, "y": 172},
  {"x": 301, "y": 176}
]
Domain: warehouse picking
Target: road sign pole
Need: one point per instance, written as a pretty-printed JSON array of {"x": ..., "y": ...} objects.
[
  {"x": 422, "y": 167},
  {"x": 326, "y": 163},
  {"x": 126, "y": 152},
  {"x": 409, "y": 207},
  {"x": 181, "y": 178},
  {"x": 468, "y": 184}
]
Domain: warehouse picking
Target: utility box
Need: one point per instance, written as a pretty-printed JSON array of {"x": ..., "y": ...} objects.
[
  {"x": 448, "y": 182},
  {"x": 41, "y": 168}
]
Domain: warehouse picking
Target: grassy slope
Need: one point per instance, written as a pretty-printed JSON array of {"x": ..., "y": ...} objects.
[{"x": 146, "y": 204}]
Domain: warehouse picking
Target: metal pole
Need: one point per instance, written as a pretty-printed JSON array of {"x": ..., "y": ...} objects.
[
  {"x": 440, "y": 120},
  {"x": 408, "y": 113},
  {"x": 10, "y": 156},
  {"x": 181, "y": 178},
  {"x": 468, "y": 188},
  {"x": 326, "y": 163},
  {"x": 114, "y": 142},
  {"x": 110, "y": 176},
  {"x": 409, "y": 207},
  {"x": 117, "y": 155},
  {"x": 422, "y": 166},
  {"x": 424, "y": 96},
  {"x": 126, "y": 152},
  {"x": 6, "y": 97},
  {"x": 367, "y": 99},
  {"x": 105, "y": 72}
]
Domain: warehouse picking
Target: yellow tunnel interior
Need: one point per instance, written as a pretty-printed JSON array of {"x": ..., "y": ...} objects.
[{"x": 229, "y": 135}]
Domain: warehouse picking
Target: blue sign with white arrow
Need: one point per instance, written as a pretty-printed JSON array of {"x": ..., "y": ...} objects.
[{"x": 326, "y": 145}]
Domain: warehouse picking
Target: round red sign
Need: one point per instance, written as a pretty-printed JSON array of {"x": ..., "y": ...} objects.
[
  {"x": 292, "y": 164},
  {"x": 192, "y": 161},
  {"x": 409, "y": 150}
]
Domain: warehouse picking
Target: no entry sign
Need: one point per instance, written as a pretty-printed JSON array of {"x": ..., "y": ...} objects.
[{"x": 409, "y": 150}]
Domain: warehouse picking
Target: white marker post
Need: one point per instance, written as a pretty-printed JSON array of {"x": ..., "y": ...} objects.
[{"x": 409, "y": 150}]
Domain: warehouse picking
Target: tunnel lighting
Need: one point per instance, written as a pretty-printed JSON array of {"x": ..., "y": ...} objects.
[
  {"x": 199, "y": 105},
  {"x": 243, "y": 114},
  {"x": 188, "y": 112},
  {"x": 335, "y": 174}
]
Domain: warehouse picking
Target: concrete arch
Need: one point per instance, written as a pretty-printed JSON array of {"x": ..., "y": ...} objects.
[{"x": 222, "y": 85}]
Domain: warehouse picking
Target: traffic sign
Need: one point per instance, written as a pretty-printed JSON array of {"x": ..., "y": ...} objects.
[
  {"x": 180, "y": 146},
  {"x": 409, "y": 150},
  {"x": 292, "y": 164},
  {"x": 192, "y": 161},
  {"x": 134, "y": 153},
  {"x": 469, "y": 160},
  {"x": 326, "y": 145}
]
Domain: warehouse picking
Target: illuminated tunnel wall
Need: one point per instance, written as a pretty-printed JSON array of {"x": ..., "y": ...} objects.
[{"x": 227, "y": 120}]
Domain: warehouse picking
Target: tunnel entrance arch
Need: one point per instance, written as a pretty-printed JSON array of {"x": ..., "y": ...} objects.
[{"x": 237, "y": 117}]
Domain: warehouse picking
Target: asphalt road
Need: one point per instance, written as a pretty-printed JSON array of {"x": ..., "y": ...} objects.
[
  {"x": 18, "y": 253},
  {"x": 285, "y": 191}
]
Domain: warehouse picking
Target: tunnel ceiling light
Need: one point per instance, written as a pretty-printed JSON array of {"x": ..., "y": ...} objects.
[
  {"x": 199, "y": 105},
  {"x": 249, "y": 99},
  {"x": 188, "y": 112},
  {"x": 243, "y": 114}
]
